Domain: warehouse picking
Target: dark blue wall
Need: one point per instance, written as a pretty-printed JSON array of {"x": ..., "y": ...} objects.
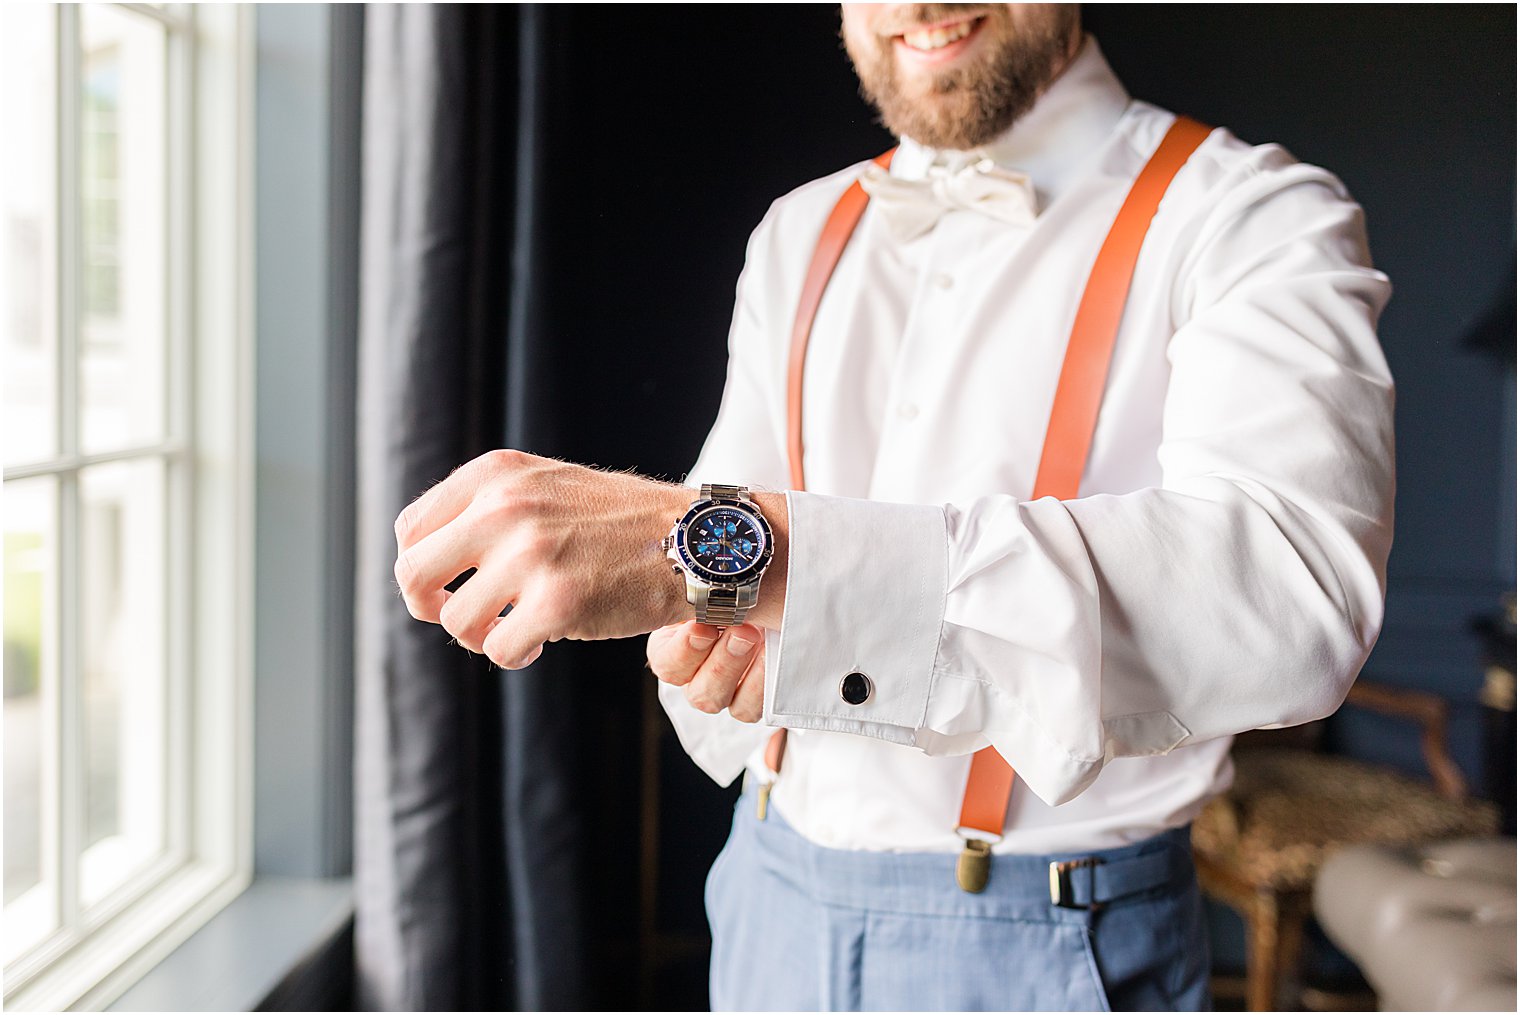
[{"x": 1414, "y": 108}]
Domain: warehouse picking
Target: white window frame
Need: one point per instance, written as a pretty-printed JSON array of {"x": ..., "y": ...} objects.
[{"x": 93, "y": 957}]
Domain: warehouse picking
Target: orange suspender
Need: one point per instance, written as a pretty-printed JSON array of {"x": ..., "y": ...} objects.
[
  {"x": 836, "y": 233},
  {"x": 1073, "y": 413}
]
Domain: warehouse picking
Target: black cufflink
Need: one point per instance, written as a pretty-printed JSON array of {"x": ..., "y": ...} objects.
[{"x": 855, "y": 688}]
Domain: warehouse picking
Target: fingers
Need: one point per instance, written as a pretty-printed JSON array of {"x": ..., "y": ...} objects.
[
  {"x": 676, "y": 652},
  {"x": 749, "y": 700},
  {"x": 517, "y": 639},
  {"x": 712, "y": 687},
  {"x": 424, "y": 569},
  {"x": 471, "y": 612},
  {"x": 717, "y": 672},
  {"x": 446, "y": 500}
]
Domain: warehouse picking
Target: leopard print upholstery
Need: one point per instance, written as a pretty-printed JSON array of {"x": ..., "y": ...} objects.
[{"x": 1290, "y": 808}]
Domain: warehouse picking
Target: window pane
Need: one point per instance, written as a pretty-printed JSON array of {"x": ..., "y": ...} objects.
[
  {"x": 121, "y": 608},
  {"x": 30, "y": 703},
  {"x": 28, "y": 255},
  {"x": 122, "y": 166}
]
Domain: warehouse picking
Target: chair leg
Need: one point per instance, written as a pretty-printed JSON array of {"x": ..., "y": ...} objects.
[
  {"x": 1274, "y": 941},
  {"x": 1292, "y": 914},
  {"x": 1261, "y": 955}
]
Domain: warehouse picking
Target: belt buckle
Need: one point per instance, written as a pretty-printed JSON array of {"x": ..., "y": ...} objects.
[{"x": 1060, "y": 883}]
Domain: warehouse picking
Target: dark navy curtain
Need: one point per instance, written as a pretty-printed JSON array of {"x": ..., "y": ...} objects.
[{"x": 457, "y": 906}]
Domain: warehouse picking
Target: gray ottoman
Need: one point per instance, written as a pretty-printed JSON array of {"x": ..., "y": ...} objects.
[{"x": 1432, "y": 928}]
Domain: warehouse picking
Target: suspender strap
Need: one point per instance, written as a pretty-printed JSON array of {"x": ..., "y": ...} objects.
[
  {"x": 1079, "y": 392},
  {"x": 837, "y": 230},
  {"x": 1073, "y": 412},
  {"x": 836, "y": 233},
  {"x": 984, "y": 805}
]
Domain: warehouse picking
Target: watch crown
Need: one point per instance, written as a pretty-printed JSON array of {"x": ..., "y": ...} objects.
[
  {"x": 665, "y": 543},
  {"x": 676, "y": 568}
]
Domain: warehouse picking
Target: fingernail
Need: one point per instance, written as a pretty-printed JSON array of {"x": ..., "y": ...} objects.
[
  {"x": 739, "y": 645},
  {"x": 700, "y": 642}
]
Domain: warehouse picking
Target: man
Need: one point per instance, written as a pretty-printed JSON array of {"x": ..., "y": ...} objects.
[{"x": 1220, "y": 567}]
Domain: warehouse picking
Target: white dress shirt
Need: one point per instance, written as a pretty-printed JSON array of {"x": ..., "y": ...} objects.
[{"x": 1222, "y": 568}]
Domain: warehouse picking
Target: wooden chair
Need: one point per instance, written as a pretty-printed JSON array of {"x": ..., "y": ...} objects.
[{"x": 1259, "y": 846}]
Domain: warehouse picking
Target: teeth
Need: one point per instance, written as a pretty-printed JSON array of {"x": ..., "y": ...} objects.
[{"x": 938, "y": 38}]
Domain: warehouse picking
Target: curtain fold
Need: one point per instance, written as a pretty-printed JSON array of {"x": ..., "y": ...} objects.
[
  {"x": 544, "y": 787},
  {"x": 465, "y": 833}
]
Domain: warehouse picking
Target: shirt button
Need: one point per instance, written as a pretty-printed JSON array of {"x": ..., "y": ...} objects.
[
  {"x": 908, "y": 411},
  {"x": 855, "y": 688},
  {"x": 944, "y": 281}
]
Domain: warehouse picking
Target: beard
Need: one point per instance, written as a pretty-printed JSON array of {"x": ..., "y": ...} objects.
[{"x": 964, "y": 107}]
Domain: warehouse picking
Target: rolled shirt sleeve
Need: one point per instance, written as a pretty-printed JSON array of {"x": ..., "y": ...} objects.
[{"x": 1245, "y": 590}]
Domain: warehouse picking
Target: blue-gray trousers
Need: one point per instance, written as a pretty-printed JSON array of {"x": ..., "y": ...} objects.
[{"x": 798, "y": 927}]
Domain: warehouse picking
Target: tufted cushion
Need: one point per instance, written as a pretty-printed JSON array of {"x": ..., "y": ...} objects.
[
  {"x": 1289, "y": 808},
  {"x": 1432, "y": 927}
]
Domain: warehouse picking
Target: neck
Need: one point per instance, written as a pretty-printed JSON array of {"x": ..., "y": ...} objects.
[{"x": 1059, "y": 65}]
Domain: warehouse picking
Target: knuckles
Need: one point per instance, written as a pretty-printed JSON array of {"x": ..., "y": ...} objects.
[
  {"x": 667, "y": 674},
  {"x": 499, "y": 469},
  {"x": 453, "y": 618},
  {"x": 702, "y": 701},
  {"x": 499, "y": 650},
  {"x": 557, "y": 605},
  {"x": 710, "y": 681},
  {"x": 406, "y": 573},
  {"x": 505, "y": 459},
  {"x": 527, "y": 516},
  {"x": 534, "y": 541},
  {"x": 507, "y": 508},
  {"x": 513, "y": 658},
  {"x": 496, "y": 503},
  {"x": 492, "y": 650},
  {"x": 409, "y": 585},
  {"x": 671, "y": 660},
  {"x": 405, "y": 522}
]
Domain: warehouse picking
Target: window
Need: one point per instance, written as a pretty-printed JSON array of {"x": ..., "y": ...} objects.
[{"x": 122, "y": 233}]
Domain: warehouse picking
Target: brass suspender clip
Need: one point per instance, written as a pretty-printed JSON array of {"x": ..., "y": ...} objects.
[
  {"x": 974, "y": 865},
  {"x": 1060, "y": 883},
  {"x": 763, "y": 799}
]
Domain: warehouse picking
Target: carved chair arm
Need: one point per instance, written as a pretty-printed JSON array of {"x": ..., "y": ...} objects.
[{"x": 1429, "y": 711}]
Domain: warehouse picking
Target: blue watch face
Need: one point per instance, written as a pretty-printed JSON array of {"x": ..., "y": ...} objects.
[{"x": 725, "y": 541}]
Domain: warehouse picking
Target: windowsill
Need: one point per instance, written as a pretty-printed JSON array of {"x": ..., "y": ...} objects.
[{"x": 247, "y": 952}]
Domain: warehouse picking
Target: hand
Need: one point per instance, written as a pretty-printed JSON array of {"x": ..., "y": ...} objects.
[
  {"x": 717, "y": 672},
  {"x": 575, "y": 551}
]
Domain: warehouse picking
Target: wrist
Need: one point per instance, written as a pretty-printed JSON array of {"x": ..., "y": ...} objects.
[
  {"x": 672, "y": 607},
  {"x": 772, "y": 591},
  {"x": 768, "y": 610}
]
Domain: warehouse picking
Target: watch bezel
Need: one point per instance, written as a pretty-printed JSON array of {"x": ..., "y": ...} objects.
[{"x": 689, "y": 563}]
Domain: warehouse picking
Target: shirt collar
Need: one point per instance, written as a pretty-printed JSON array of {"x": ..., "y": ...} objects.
[{"x": 1067, "y": 123}]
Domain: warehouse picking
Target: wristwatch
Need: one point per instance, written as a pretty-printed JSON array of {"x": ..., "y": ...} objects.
[{"x": 723, "y": 545}]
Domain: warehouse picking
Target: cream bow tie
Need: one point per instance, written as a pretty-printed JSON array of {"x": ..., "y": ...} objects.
[{"x": 912, "y": 207}]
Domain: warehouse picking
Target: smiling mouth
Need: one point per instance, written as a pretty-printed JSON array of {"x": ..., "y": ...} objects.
[{"x": 931, "y": 38}]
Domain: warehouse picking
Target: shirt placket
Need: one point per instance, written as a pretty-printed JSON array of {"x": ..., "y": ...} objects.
[{"x": 913, "y": 397}]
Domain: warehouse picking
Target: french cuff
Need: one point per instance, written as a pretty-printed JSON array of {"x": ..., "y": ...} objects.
[{"x": 865, "y": 602}]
